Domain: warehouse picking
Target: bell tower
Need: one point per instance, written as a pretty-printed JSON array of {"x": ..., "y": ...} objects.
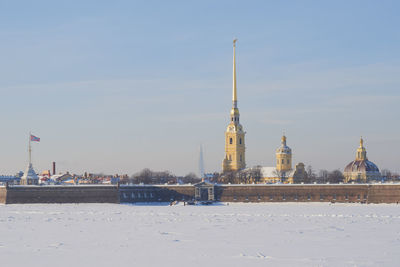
[
  {"x": 283, "y": 156},
  {"x": 234, "y": 136}
]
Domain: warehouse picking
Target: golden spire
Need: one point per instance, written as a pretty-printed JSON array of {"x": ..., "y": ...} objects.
[
  {"x": 283, "y": 140},
  {"x": 361, "y": 151},
  {"x": 234, "y": 99}
]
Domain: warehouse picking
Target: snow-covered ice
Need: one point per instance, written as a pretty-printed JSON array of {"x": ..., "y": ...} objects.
[{"x": 268, "y": 234}]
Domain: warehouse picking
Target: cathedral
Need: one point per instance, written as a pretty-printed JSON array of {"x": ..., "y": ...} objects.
[
  {"x": 235, "y": 147},
  {"x": 234, "y": 136},
  {"x": 361, "y": 169}
]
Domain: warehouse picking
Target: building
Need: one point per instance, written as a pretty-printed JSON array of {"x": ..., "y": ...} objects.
[
  {"x": 283, "y": 171},
  {"x": 234, "y": 136},
  {"x": 361, "y": 169}
]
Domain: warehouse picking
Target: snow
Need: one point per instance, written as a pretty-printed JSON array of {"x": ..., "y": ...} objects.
[{"x": 238, "y": 234}]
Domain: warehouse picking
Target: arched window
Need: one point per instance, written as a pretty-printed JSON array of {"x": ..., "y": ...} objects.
[
  {"x": 230, "y": 140},
  {"x": 240, "y": 141},
  {"x": 283, "y": 161}
]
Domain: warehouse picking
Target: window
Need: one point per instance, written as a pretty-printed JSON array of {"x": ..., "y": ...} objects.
[
  {"x": 151, "y": 195},
  {"x": 283, "y": 161},
  {"x": 308, "y": 196},
  {"x": 334, "y": 196},
  {"x": 139, "y": 195},
  {"x": 133, "y": 195},
  {"x": 358, "y": 197},
  {"x": 321, "y": 197},
  {"x": 271, "y": 197},
  {"x": 145, "y": 195},
  {"x": 240, "y": 141},
  {"x": 287, "y": 161},
  {"x": 240, "y": 157},
  {"x": 232, "y": 119},
  {"x": 283, "y": 196},
  {"x": 230, "y": 141},
  {"x": 347, "y": 196}
]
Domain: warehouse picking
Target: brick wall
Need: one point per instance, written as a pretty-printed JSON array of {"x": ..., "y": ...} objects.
[
  {"x": 292, "y": 193},
  {"x": 377, "y": 193},
  {"x": 62, "y": 194},
  {"x": 156, "y": 193},
  {"x": 385, "y": 193}
]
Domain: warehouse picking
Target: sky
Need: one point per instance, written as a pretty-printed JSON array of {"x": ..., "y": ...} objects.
[{"x": 118, "y": 86}]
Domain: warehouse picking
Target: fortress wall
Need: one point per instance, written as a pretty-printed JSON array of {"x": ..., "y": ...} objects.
[
  {"x": 62, "y": 194},
  {"x": 292, "y": 193},
  {"x": 130, "y": 194},
  {"x": 375, "y": 193},
  {"x": 3, "y": 194},
  {"x": 385, "y": 193}
]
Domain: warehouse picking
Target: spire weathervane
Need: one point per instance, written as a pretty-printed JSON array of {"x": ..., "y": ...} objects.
[{"x": 234, "y": 99}]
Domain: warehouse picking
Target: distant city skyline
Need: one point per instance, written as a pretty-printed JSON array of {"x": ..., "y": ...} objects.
[{"x": 122, "y": 86}]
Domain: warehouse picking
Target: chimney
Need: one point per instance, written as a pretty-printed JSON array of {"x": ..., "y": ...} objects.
[{"x": 54, "y": 168}]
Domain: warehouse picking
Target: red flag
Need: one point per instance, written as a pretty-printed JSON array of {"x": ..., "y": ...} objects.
[{"x": 35, "y": 139}]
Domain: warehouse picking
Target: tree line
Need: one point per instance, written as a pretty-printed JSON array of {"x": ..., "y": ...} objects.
[
  {"x": 247, "y": 176},
  {"x": 147, "y": 176}
]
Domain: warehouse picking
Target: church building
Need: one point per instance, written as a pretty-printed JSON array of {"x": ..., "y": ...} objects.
[
  {"x": 361, "y": 169},
  {"x": 283, "y": 171},
  {"x": 234, "y": 136}
]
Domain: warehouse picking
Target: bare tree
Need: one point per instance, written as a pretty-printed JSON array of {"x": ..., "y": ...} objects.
[
  {"x": 323, "y": 176},
  {"x": 311, "y": 174},
  {"x": 190, "y": 178},
  {"x": 335, "y": 177}
]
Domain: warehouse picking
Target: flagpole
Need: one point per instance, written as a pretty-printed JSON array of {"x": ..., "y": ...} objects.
[{"x": 30, "y": 150}]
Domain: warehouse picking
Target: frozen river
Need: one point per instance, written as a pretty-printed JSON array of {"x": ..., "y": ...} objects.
[{"x": 270, "y": 234}]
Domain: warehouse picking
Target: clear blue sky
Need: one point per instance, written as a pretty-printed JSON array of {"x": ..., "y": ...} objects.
[{"x": 117, "y": 86}]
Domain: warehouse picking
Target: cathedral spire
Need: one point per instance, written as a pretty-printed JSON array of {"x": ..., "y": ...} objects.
[
  {"x": 234, "y": 136},
  {"x": 361, "y": 151},
  {"x": 234, "y": 97}
]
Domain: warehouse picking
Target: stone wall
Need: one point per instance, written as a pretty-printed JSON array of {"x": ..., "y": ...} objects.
[
  {"x": 62, "y": 194},
  {"x": 364, "y": 193},
  {"x": 384, "y": 193},
  {"x": 292, "y": 193},
  {"x": 156, "y": 193}
]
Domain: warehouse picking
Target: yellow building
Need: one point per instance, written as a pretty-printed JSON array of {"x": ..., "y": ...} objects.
[
  {"x": 234, "y": 136},
  {"x": 283, "y": 157},
  {"x": 283, "y": 171},
  {"x": 361, "y": 169}
]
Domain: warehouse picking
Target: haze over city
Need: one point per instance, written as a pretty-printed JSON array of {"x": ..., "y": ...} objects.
[{"x": 118, "y": 87}]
